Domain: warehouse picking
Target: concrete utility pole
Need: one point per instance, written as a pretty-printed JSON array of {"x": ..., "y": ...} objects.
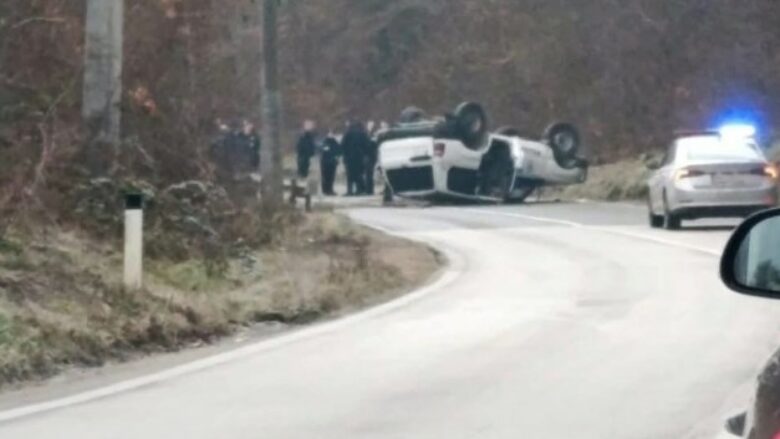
[
  {"x": 271, "y": 152},
  {"x": 102, "y": 95}
]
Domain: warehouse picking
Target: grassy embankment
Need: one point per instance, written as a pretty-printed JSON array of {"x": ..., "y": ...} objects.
[
  {"x": 624, "y": 180},
  {"x": 61, "y": 304}
]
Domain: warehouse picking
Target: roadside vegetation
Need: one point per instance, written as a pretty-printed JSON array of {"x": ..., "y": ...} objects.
[
  {"x": 62, "y": 305},
  {"x": 623, "y": 180},
  {"x": 216, "y": 257}
]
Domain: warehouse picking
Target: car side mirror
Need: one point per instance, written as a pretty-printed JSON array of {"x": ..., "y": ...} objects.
[
  {"x": 736, "y": 425},
  {"x": 751, "y": 262}
]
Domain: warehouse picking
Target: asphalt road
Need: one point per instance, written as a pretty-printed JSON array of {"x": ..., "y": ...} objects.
[{"x": 552, "y": 321}]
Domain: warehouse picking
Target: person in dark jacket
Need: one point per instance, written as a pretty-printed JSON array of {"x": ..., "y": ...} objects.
[
  {"x": 306, "y": 148},
  {"x": 354, "y": 146},
  {"x": 251, "y": 141},
  {"x": 216, "y": 150},
  {"x": 226, "y": 151},
  {"x": 330, "y": 153}
]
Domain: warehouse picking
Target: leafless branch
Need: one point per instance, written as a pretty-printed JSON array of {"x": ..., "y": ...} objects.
[
  {"x": 47, "y": 147},
  {"x": 31, "y": 20},
  {"x": 647, "y": 19}
]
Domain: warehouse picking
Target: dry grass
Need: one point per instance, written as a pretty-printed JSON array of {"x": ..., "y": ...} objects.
[
  {"x": 61, "y": 304},
  {"x": 625, "y": 180}
]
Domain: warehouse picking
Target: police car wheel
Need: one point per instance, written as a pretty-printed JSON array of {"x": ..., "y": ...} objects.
[
  {"x": 387, "y": 195},
  {"x": 671, "y": 221}
]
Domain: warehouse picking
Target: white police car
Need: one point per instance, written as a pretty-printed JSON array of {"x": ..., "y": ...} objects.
[{"x": 711, "y": 174}]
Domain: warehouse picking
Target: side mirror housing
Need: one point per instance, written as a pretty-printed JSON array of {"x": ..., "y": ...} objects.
[
  {"x": 751, "y": 262},
  {"x": 736, "y": 425}
]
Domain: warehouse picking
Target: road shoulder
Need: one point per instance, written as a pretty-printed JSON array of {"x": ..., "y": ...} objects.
[{"x": 360, "y": 269}]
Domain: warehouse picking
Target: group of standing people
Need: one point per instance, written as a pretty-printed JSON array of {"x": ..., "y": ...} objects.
[
  {"x": 357, "y": 148},
  {"x": 236, "y": 149},
  {"x": 236, "y": 152}
]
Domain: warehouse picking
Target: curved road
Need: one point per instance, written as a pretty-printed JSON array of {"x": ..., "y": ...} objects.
[{"x": 552, "y": 321}]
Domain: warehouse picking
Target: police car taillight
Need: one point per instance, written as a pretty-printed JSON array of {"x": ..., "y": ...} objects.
[
  {"x": 765, "y": 171},
  {"x": 771, "y": 172},
  {"x": 688, "y": 173}
]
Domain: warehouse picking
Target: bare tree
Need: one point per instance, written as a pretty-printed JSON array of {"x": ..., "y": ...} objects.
[
  {"x": 102, "y": 94},
  {"x": 271, "y": 160},
  {"x": 301, "y": 38},
  {"x": 244, "y": 18}
]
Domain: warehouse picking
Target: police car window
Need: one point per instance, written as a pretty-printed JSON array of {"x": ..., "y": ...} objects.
[{"x": 713, "y": 148}]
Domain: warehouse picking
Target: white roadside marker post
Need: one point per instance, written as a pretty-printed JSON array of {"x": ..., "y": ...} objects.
[{"x": 134, "y": 241}]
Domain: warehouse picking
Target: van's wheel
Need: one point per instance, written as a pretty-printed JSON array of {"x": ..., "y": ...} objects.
[
  {"x": 670, "y": 220},
  {"x": 564, "y": 139},
  {"x": 471, "y": 124}
]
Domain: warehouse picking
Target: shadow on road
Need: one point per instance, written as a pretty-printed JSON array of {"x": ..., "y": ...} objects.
[
  {"x": 449, "y": 202},
  {"x": 723, "y": 228}
]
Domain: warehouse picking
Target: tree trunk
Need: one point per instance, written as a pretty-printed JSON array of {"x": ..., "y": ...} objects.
[
  {"x": 245, "y": 21},
  {"x": 102, "y": 93},
  {"x": 271, "y": 154},
  {"x": 236, "y": 33},
  {"x": 302, "y": 39}
]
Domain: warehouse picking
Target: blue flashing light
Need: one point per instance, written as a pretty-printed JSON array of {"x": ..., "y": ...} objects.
[{"x": 737, "y": 131}]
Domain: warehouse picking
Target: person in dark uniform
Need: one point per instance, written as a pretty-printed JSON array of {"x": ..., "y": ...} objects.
[
  {"x": 354, "y": 146},
  {"x": 306, "y": 148},
  {"x": 330, "y": 153},
  {"x": 251, "y": 140},
  {"x": 226, "y": 151}
]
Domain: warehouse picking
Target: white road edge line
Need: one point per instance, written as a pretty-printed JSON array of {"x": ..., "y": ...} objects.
[
  {"x": 449, "y": 274},
  {"x": 623, "y": 233}
]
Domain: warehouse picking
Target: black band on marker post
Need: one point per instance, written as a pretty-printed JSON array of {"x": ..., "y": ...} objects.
[{"x": 134, "y": 202}]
